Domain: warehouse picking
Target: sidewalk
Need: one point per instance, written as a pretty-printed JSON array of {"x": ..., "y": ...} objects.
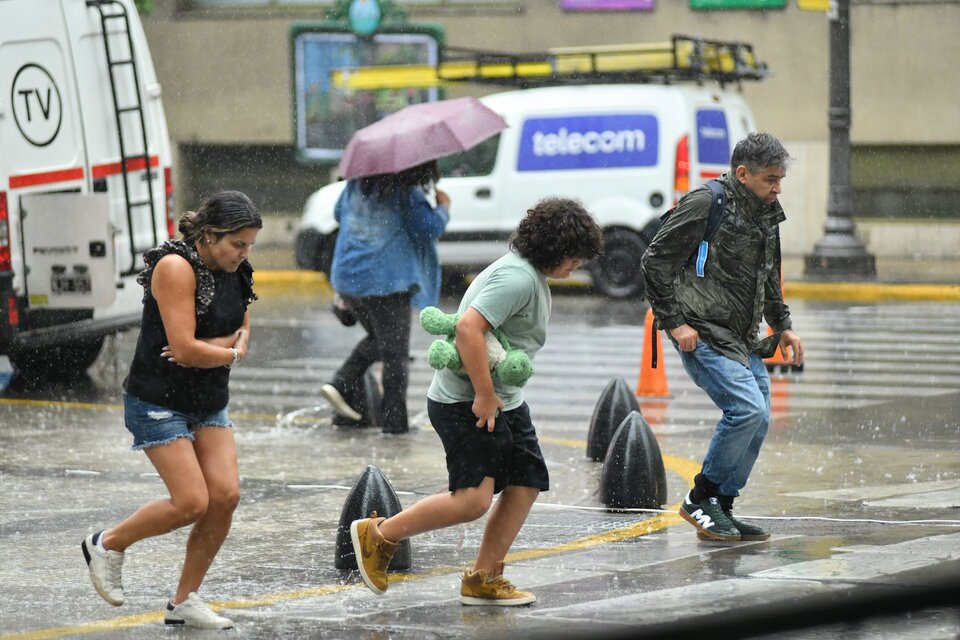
[{"x": 893, "y": 271}]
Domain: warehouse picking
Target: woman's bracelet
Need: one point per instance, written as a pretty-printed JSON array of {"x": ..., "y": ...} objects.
[{"x": 236, "y": 357}]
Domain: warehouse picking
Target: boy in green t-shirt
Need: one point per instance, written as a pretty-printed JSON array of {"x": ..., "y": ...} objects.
[{"x": 490, "y": 442}]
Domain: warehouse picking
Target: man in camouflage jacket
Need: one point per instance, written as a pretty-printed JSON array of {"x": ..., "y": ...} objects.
[{"x": 713, "y": 320}]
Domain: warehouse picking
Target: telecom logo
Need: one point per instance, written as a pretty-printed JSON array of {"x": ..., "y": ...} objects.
[{"x": 588, "y": 142}]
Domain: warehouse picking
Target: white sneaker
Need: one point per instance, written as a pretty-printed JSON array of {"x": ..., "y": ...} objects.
[
  {"x": 194, "y": 612},
  {"x": 104, "y": 569},
  {"x": 332, "y": 395}
]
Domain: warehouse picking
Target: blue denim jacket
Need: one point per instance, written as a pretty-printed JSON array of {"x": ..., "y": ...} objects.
[{"x": 388, "y": 246}]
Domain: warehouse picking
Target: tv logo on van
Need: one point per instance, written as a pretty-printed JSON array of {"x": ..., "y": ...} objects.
[
  {"x": 588, "y": 142},
  {"x": 37, "y": 108}
]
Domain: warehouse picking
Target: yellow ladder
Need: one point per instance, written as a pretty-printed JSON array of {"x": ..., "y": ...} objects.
[{"x": 681, "y": 59}]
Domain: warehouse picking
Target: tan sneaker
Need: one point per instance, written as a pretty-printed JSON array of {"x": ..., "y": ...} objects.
[
  {"x": 478, "y": 588},
  {"x": 373, "y": 552}
]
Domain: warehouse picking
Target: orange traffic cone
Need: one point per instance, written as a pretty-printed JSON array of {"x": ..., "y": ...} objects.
[
  {"x": 776, "y": 359},
  {"x": 779, "y": 402},
  {"x": 653, "y": 381}
]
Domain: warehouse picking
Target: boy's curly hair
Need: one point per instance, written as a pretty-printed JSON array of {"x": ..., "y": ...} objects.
[{"x": 556, "y": 229}]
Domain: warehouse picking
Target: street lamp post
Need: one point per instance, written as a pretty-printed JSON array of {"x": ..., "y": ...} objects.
[{"x": 839, "y": 254}]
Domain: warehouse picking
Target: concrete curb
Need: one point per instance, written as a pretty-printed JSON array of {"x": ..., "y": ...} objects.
[
  {"x": 870, "y": 291},
  {"x": 291, "y": 277},
  {"x": 852, "y": 291}
]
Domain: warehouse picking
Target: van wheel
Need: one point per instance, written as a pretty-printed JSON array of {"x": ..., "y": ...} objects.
[
  {"x": 58, "y": 362},
  {"x": 617, "y": 272}
]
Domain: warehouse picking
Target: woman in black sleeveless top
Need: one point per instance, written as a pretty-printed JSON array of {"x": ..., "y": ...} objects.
[{"x": 195, "y": 327}]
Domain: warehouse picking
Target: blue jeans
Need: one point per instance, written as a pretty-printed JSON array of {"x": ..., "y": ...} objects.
[{"x": 743, "y": 394}]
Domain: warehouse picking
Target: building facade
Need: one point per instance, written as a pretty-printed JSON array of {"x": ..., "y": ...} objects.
[{"x": 226, "y": 71}]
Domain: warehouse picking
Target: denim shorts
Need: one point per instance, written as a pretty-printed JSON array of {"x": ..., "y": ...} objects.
[
  {"x": 153, "y": 425},
  {"x": 510, "y": 454}
]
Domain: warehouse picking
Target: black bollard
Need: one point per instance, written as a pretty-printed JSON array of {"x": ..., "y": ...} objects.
[
  {"x": 365, "y": 401},
  {"x": 615, "y": 403},
  {"x": 371, "y": 400},
  {"x": 372, "y": 397},
  {"x": 633, "y": 474},
  {"x": 372, "y": 492}
]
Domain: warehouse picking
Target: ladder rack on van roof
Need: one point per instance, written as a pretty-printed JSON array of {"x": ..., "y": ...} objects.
[{"x": 682, "y": 59}]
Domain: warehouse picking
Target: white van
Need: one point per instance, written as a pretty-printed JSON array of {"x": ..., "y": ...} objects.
[
  {"x": 85, "y": 178},
  {"x": 628, "y": 152}
]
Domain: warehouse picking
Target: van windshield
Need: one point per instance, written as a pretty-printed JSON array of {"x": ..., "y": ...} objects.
[{"x": 477, "y": 161}]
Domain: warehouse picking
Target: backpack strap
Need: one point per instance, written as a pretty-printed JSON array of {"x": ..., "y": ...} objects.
[
  {"x": 654, "y": 330},
  {"x": 718, "y": 202}
]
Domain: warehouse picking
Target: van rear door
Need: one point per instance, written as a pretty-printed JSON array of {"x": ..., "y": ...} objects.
[
  {"x": 41, "y": 147},
  {"x": 720, "y": 121},
  {"x": 712, "y": 144},
  {"x": 122, "y": 122},
  {"x": 67, "y": 236}
]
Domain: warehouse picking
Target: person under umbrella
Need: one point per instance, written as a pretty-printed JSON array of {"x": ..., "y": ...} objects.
[{"x": 385, "y": 260}]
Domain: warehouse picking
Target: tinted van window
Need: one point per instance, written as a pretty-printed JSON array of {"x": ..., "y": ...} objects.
[{"x": 477, "y": 161}]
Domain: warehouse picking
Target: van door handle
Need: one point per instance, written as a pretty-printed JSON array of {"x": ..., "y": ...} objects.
[{"x": 483, "y": 193}]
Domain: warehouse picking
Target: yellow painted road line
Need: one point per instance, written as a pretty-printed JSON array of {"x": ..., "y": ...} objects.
[
  {"x": 683, "y": 467},
  {"x": 93, "y": 406},
  {"x": 99, "y": 626},
  {"x": 295, "y": 280},
  {"x": 59, "y": 403},
  {"x": 290, "y": 276},
  {"x": 871, "y": 291}
]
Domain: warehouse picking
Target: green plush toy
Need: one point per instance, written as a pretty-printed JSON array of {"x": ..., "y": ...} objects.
[{"x": 508, "y": 365}]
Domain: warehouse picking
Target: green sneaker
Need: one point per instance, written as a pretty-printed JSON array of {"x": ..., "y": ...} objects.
[
  {"x": 748, "y": 532},
  {"x": 709, "y": 519}
]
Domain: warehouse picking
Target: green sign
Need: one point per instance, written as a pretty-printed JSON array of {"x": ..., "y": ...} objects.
[{"x": 737, "y": 4}]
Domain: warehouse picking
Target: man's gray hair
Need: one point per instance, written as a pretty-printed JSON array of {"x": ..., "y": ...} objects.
[{"x": 758, "y": 151}]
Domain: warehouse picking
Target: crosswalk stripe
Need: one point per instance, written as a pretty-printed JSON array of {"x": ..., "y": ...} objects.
[{"x": 856, "y": 357}]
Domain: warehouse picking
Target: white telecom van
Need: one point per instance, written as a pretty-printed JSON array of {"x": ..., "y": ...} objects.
[
  {"x": 85, "y": 178},
  {"x": 628, "y": 152}
]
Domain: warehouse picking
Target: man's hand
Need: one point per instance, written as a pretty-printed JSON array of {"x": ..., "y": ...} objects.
[
  {"x": 686, "y": 337},
  {"x": 789, "y": 339},
  {"x": 487, "y": 407}
]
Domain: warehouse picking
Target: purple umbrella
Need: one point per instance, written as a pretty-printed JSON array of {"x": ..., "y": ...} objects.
[{"x": 418, "y": 133}]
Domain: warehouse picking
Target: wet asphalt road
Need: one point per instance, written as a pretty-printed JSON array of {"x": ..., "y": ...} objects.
[{"x": 859, "y": 481}]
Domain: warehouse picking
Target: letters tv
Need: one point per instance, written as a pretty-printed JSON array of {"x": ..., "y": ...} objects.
[{"x": 588, "y": 142}]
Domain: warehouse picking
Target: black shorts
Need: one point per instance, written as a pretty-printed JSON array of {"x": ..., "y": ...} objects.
[{"x": 510, "y": 454}]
